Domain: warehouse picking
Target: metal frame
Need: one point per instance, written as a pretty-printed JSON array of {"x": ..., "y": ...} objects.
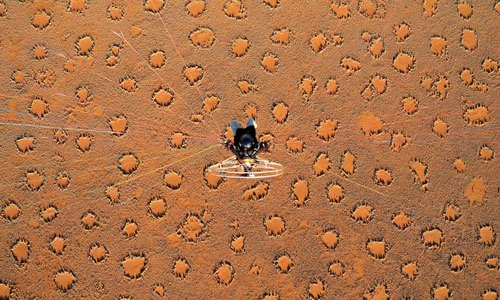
[{"x": 259, "y": 168}]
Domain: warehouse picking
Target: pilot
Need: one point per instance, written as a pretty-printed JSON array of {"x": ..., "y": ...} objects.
[{"x": 245, "y": 144}]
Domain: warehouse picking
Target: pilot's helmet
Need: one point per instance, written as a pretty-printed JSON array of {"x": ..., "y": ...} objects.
[{"x": 246, "y": 141}]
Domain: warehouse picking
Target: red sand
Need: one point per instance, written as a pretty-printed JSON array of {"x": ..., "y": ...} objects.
[{"x": 383, "y": 113}]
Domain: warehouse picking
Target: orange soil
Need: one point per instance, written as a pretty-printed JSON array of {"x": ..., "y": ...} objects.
[{"x": 384, "y": 115}]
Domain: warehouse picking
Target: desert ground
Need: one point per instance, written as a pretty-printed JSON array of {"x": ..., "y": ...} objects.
[{"x": 383, "y": 113}]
